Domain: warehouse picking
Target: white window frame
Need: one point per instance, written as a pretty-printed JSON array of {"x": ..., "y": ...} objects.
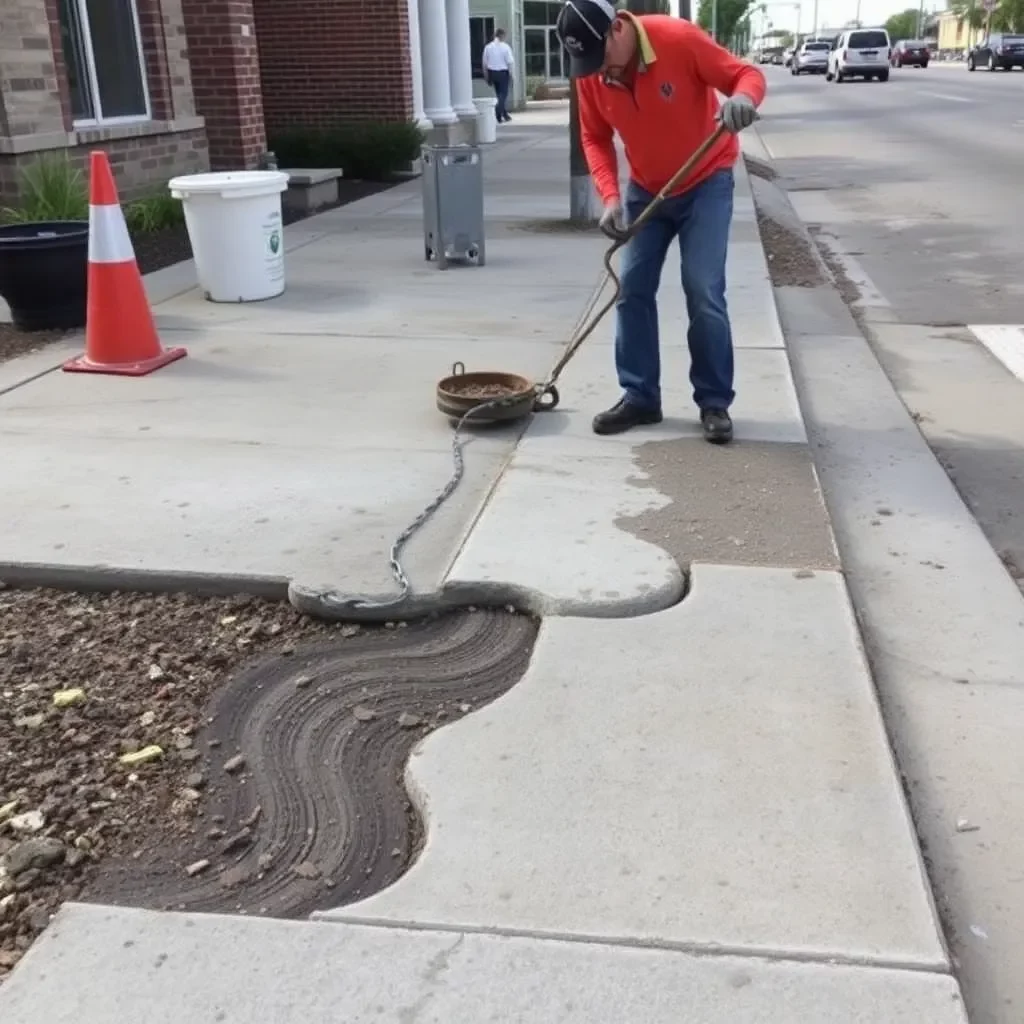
[{"x": 90, "y": 66}]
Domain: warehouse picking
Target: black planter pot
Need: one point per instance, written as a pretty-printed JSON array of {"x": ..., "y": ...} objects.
[{"x": 43, "y": 273}]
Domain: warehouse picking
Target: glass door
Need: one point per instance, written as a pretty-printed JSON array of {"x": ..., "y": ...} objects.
[
  {"x": 535, "y": 52},
  {"x": 556, "y": 57}
]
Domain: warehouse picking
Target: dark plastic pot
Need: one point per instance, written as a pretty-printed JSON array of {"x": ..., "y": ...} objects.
[{"x": 43, "y": 273}]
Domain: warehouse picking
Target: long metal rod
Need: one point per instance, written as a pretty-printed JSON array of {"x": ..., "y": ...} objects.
[{"x": 588, "y": 326}]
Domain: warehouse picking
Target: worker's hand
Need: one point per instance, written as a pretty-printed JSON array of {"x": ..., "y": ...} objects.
[
  {"x": 612, "y": 222},
  {"x": 737, "y": 112}
]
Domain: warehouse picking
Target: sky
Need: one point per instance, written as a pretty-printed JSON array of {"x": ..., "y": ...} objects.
[{"x": 834, "y": 13}]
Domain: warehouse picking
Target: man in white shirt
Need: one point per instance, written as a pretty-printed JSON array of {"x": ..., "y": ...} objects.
[{"x": 498, "y": 63}]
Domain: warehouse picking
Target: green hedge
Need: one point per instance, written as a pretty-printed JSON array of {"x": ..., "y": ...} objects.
[{"x": 364, "y": 152}]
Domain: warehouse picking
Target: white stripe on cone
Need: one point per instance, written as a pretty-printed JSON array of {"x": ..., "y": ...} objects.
[{"x": 109, "y": 241}]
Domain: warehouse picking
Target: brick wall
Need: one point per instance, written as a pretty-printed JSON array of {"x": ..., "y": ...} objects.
[
  {"x": 35, "y": 110},
  {"x": 142, "y": 165},
  {"x": 30, "y": 90},
  {"x": 225, "y": 68},
  {"x": 326, "y": 62}
]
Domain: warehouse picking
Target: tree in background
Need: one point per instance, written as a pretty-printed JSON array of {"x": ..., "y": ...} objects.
[
  {"x": 903, "y": 25},
  {"x": 647, "y": 6},
  {"x": 730, "y": 12}
]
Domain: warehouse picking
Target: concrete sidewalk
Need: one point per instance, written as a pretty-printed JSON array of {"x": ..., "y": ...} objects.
[{"x": 694, "y": 806}]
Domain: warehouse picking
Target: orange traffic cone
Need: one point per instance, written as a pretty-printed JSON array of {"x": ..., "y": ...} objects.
[{"x": 120, "y": 336}]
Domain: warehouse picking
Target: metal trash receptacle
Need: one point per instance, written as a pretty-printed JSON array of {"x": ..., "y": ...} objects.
[{"x": 453, "y": 204}]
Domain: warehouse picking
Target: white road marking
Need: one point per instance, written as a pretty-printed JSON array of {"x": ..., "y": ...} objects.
[
  {"x": 1005, "y": 342},
  {"x": 943, "y": 96}
]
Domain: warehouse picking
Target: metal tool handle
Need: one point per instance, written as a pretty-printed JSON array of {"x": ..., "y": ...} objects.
[{"x": 620, "y": 238}]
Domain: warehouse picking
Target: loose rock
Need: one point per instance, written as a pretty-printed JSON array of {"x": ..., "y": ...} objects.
[
  {"x": 39, "y": 853},
  {"x": 197, "y": 868},
  {"x": 234, "y": 764},
  {"x": 407, "y": 720},
  {"x": 239, "y": 841}
]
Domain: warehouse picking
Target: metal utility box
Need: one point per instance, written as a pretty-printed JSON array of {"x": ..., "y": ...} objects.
[{"x": 453, "y": 204}]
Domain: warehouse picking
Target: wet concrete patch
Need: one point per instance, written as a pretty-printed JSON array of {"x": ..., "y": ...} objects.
[
  {"x": 299, "y": 798},
  {"x": 751, "y": 503}
]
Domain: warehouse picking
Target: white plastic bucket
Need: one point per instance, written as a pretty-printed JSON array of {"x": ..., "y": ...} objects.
[
  {"x": 486, "y": 121},
  {"x": 234, "y": 224}
]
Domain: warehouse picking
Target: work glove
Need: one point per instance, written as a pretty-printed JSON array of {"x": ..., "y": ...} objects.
[
  {"x": 612, "y": 221},
  {"x": 737, "y": 112}
]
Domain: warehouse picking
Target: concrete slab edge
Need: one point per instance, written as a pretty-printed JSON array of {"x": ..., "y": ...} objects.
[
  {"x": 698, "y": 949},
  {"x": 849, "y": 329},
  {"x": 106, "y": 579},
  {"x": 334, "y": 606}
]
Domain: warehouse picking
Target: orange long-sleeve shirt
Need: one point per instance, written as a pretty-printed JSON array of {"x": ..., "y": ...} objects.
[{"x": 669, "y": 110}]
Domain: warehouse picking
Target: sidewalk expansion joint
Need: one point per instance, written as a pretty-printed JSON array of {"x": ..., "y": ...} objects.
[{"x": 695, "y": 949}]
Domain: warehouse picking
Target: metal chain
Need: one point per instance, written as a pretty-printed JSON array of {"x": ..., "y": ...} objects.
[
  {"x": 584, "y": 327},
  {"x": 459, "y": 464}
]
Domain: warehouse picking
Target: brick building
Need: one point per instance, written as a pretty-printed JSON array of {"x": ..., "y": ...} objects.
[{"x": 174, "y": 86}]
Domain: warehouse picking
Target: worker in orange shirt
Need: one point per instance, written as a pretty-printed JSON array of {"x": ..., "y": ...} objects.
[{"x": 653, "y": 79}]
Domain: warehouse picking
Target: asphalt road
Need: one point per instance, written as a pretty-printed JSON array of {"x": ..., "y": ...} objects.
[{"x": 919, "y": 178}]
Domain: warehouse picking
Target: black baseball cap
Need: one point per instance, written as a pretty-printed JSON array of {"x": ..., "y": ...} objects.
[{"x": 582, "y": 28}]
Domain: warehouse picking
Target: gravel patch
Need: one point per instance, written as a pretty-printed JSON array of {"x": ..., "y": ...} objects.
[
  {"x": 114, "y": 750},
  {"x": 791, "y": 258}
]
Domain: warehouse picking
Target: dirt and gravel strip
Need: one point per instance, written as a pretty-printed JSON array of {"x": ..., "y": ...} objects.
[
  {"x": 224, "y": 754},
  {"x": 791, "y": 260}
]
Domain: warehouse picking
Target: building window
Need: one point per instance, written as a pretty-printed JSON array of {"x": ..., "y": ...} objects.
[
  {"x": 104, "y": 60},
  {"x": 543, "y": 54},
  {"x": 481, "y": 32}
]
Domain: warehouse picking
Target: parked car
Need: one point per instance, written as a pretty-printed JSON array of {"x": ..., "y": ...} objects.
[
  {"x": 811, "y": 59},
  {"x": 910, "y": 53},
  {"x": 860, "y": 53},
  {"x": 998, "y": 50}
]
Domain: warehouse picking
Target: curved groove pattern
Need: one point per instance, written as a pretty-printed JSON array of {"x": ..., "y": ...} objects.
[{"x": 317, "y": 814}]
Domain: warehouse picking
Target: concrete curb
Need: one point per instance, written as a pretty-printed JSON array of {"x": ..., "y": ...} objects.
[{"x": 953, "y": 697}]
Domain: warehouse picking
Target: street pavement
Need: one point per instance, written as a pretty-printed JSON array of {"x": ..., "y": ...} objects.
[
  {"x": 918, "y": 178},
  {"x": 687, "y": 806},
  {"x": 912, "y": 188},
  {"x": 909, "y": 189}
]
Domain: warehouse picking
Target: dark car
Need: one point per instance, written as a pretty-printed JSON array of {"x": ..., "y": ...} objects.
[
  {"x": 910, "y": 53},
  {"x": 997, "y": 51}
]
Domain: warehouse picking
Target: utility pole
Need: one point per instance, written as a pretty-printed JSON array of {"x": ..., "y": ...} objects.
[
  {"x": 920, "y": 20},
  {"x": 583, "y": 202},
  {"x": 714, "y": 20},
  {"x": 814, "y": 20}
]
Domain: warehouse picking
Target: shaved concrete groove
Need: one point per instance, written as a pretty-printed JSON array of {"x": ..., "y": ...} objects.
[{"x": 319, "y": 799}]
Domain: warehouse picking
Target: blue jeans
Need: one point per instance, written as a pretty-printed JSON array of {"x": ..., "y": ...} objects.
[
  {"x": 501, "y": 80},
  {"x": 700, "y": 219}
]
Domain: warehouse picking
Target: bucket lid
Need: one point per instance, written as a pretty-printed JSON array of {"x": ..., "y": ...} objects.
[{"x": 223, "y": 182}]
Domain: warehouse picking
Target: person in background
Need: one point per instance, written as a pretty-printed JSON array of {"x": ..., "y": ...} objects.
[
  {"x": 653, "y": 79},
  {"x": 498, "y": 63}
]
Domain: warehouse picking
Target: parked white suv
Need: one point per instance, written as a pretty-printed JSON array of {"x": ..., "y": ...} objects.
[{"x": 860, "y": 53}]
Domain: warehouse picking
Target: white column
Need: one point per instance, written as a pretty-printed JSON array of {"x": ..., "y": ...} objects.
[
  {"x": 437, "y": 96},
  {"x": 416, "y": 64},
  {"x": 460, "y": 66}
]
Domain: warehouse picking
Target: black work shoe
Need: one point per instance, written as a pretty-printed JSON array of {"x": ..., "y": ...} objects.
[
  {"x": 717, "y": 425},
  {"x": 623, "y": 416}
]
